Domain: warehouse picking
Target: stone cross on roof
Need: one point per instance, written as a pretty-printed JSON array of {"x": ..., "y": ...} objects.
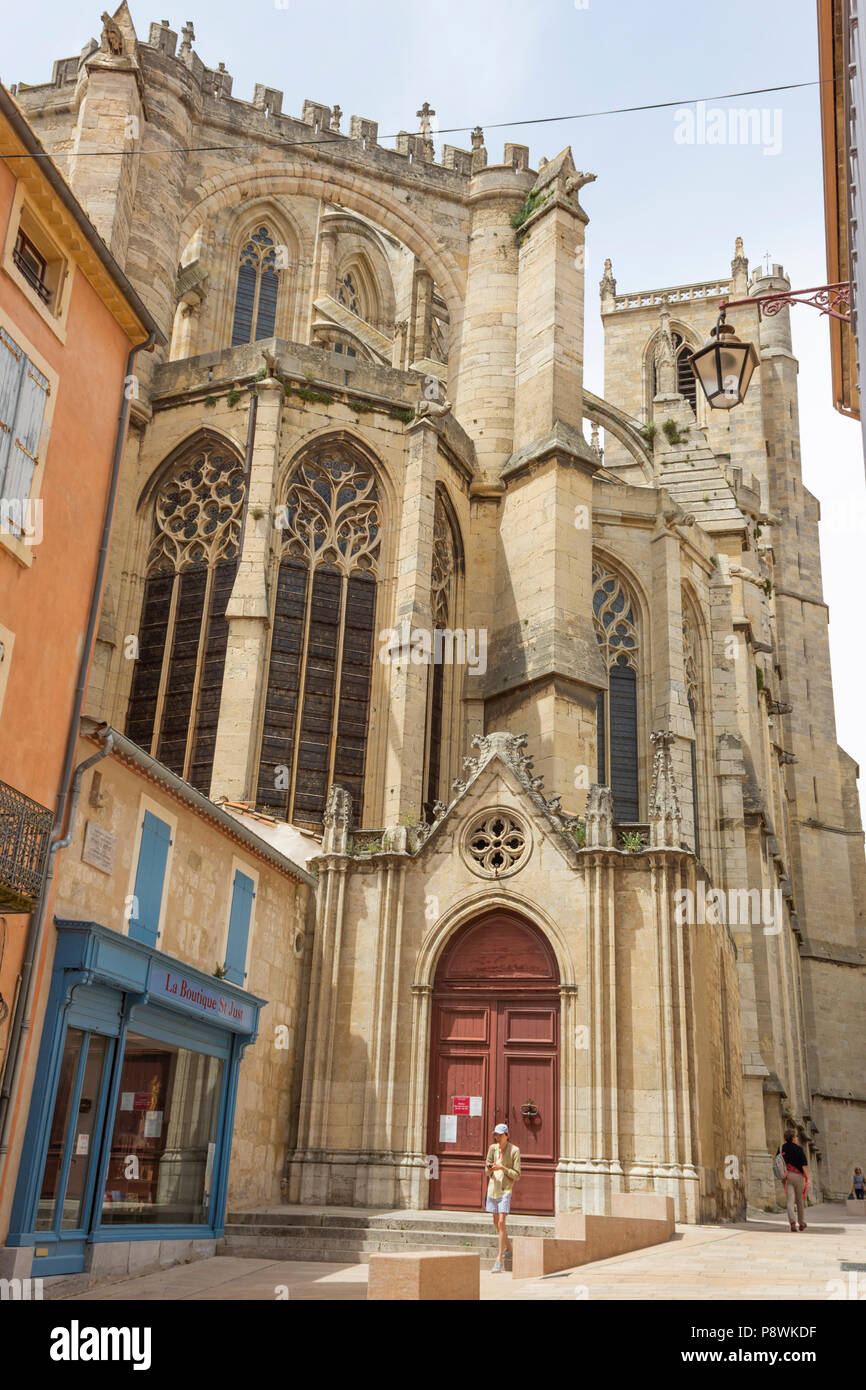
[{"x": 425, "y": 113}]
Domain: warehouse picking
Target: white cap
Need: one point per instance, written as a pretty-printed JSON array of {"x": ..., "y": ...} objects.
[{"x": 501, "y": 1129}]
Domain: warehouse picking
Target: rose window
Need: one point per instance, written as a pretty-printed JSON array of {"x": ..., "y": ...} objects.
[{"x": 496, "y": 845}]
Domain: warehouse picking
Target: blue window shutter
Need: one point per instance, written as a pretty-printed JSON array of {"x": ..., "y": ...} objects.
[
  {"x": 12, "y": 364},
  {"x": 239, "y": 927},
  {"x": 24, "y": 447},
  {"x": 149, "y": 879}
]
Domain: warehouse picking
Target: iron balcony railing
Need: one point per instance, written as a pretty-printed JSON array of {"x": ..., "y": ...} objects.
[{"x": 25, "y": 829}]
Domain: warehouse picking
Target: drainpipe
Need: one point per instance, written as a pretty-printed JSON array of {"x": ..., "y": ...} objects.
[{"x": 70, "y": 777}]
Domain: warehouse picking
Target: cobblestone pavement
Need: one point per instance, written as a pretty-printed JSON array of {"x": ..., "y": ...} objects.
[{"x": 756, "y": 1260}]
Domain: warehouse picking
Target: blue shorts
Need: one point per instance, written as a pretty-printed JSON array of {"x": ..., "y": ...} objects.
[{"x": 501, "y": 1204}]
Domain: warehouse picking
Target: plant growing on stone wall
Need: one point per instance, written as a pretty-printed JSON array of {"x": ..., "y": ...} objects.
[
  {"x": 759, "y": 677},
  {"x": 210, "y": 401},
  {"x": 647, "y": 433},
  {"x": 323, "y": 397},
  {"x": 767, "y": 587},
  {"x": 672, "y": 432},
  {"x": 257, "y": 513},
  {"x": 233, "y": 396},
  {"x": 579, "y": 833},
  {"x": 220, "y": 972},
  {"x": 531, "y": 205},
  {"x": 402, "y": 412},
  {"x": 260, "y": 374},
  {"x": 633, "y": 841},
  {"x": 410, "y": 819}
]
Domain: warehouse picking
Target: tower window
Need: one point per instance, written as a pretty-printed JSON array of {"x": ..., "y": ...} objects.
[
  {"x": 257, "y": 287},
  {"x": 183, "y": 633},
  {"x": 617, "y": 726},
  {"x": 321, "y": 660}
]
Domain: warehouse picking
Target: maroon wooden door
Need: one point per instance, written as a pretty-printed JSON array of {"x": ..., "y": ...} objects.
[{"x": 495, "y": 1038}]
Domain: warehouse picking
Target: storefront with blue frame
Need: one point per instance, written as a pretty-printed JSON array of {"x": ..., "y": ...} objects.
[{"x": 131, "y": 1117}]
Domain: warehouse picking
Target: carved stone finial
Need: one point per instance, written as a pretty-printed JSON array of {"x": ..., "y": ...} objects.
[
  {"x": 664, "y": 355},
  {"x": 188, "y": 38},
  {"x": 607, "y": 284},
  {"x": 576, "y": 181},
  {"x": 111, "y": 39},
  {"x": 336, "y": 113},
  {"x": 665, "y": 817},
  {"x": 594, "y": 443},
  {"x": 477, "y": 138},
  {"x": 336, "y": 821},
  {"x": 599, "y": 817}
]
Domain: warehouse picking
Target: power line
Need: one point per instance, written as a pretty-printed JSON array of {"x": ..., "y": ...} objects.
[{"x": 330, "y": 137}]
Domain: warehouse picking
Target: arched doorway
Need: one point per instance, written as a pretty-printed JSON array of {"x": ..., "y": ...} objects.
[{"x": 495, "y": 1049}]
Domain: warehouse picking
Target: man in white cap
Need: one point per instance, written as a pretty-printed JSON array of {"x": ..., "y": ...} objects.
[{"x": 503, "y": 1168}]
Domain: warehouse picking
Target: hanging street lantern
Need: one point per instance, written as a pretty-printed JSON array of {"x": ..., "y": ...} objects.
[{"x": 724, "y": 366}]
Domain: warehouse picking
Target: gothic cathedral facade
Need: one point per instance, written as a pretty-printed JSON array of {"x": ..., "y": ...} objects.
[{"x": 557, "y": 719}]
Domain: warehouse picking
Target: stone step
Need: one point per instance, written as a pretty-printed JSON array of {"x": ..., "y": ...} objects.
[
  {"x": 288, "y": 1218},
  {"x": 344, "y": 1236},
  {"x": 347, "y": 1246}
]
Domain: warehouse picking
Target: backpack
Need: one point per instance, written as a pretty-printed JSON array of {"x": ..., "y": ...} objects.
[{"x": 780, "y": 1167}]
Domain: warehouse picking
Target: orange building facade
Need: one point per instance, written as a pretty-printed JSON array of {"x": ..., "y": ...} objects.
[{"x": 70, "y": 323}]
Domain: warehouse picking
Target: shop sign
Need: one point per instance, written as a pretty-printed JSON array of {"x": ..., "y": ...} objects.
[{"x": 204, "y": 1000}]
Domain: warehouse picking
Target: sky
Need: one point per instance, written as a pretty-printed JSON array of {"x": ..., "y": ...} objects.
[{"x": 665, "y": 211}]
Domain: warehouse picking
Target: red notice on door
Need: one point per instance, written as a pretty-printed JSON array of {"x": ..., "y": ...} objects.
[{"x": 460, "y": 1106}]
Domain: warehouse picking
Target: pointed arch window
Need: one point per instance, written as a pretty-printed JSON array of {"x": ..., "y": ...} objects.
[
  {"x": 616, "y": 631},
  {"x": 177, "y": 685},
  {"x": 348, "y": 294},
  {"x": 686, "y": 382},
  {"x": 441, "y": 693},
  {"x": 691, "y": 675},
  {"x": 257, "y": 286},
  {"x": 321, "y": 660}
]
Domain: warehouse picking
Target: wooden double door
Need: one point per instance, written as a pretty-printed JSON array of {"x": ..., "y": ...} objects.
[{"x": 495, "y": 1053}]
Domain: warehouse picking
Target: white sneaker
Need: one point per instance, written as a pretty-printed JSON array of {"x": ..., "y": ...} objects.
[{"x": 497, "y": 1268}]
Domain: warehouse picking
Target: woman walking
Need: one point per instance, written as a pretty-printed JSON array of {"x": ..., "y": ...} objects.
[{"x": 503, "y": 1169}]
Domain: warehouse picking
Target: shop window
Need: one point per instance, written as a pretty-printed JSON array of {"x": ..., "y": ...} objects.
[
  {"x": 240, "y": 916},
  {"x": 161, "y": 1162},
  {"x": 23, "y": 398},
  {"x": 150, "y": 879}
]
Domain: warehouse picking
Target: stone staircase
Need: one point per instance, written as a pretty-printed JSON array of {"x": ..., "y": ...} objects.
[{"x": 350, "y": 1235}]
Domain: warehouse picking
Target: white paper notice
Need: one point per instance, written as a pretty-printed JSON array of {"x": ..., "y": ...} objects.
[
  {"x": 127, "y": 1100},
  {"x": 82, "y": 1144},
  {"x": 447, "y": 1129},
  {"x": 475, "y": 1105},
  {"x": 152, "y": 1124}
]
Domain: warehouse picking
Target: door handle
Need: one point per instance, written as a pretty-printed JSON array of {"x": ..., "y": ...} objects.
[{"x": 529, "y": 1110}]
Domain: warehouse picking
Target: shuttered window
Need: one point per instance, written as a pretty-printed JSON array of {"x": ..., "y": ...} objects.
[
  {"x": 442, "y": 689},
  {"x": 240, "y": 915},
  {"x": 622, "y": 697},
  {"x": 150, "y": 879},
  {"x": 23, "y": 398},
  {"x": 318, "y": 697},
  {"x": 616, "y": 630},
  {"x": 183, "y": 631},
  {"x": 257, "y": 290}
]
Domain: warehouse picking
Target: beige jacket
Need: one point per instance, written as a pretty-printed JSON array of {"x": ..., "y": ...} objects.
[{"x": 509, "y": 1157}]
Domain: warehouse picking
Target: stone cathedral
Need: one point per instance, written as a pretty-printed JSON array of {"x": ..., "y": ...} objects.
[{"x": 541, "y": 678}]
